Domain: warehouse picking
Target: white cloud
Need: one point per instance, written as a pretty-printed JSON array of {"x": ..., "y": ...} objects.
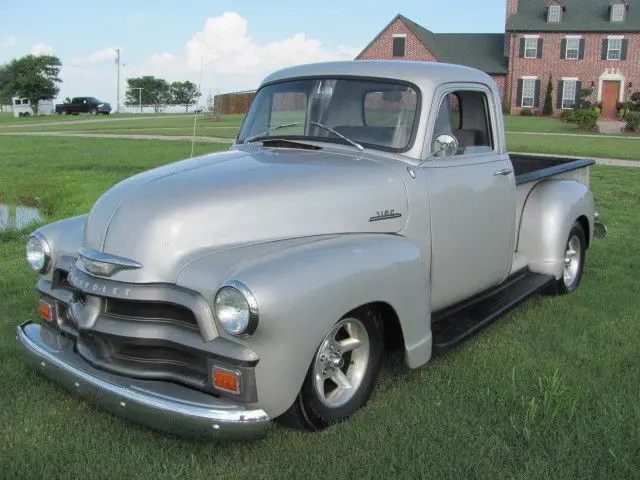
[
  {"x": 106, "y": 53},
  {"x": 42, "y": 49},
  {"x": 231, "y": 60},
  {"x": 9, "y": 42},
  {"x": 225, "y": 48}
]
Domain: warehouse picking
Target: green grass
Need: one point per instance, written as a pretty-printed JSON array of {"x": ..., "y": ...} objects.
[
  {"x": 516, "y": 123},
  {"x": 549, "y": 391},
  {"x": 8, "y": 118},
  {"x": 225, "y": 126},
  {"x": 605, "y": 147}
]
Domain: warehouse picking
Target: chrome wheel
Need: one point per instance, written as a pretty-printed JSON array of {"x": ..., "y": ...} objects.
[
  {"x": 572, "y": 258},
  {"x": 341, "y": 362}
]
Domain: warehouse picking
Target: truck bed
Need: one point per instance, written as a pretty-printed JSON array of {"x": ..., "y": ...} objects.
[{"x": 532, "y": 168}]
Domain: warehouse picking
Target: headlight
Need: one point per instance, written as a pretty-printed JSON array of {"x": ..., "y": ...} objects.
[
  {"x": 101, "y": 104},
  {"x": 236, "y": 309},
  {"x": 38, "y": 252}
]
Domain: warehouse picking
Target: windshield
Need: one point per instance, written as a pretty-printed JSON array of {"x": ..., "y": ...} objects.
[{"x": 373, "y": 113}]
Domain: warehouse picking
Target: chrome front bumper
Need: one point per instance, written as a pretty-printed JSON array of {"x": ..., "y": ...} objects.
[{"x": 161, "y": 405}]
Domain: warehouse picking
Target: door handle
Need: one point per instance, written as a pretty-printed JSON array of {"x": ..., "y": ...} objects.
[{"x": 504, "y": 171}]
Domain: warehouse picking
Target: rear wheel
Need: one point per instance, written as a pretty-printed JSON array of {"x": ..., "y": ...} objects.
[
  {"x": 342, "y": 374},
  {"x": 573, "y": 261},
  {"x": 63, "y": 112}
]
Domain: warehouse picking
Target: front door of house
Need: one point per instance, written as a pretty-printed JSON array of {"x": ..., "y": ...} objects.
[{"x": 610, "y": 96}]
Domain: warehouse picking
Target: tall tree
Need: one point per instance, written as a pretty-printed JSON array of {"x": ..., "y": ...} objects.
[
  {"x": 155, "y": 91},
  {"x": 33, "y": 76},
  {"x": 547, "y": 109},
  {"x": 184, "y": 93}
]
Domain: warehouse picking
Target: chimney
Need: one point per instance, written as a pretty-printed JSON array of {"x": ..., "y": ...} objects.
[{"x": 512, "y": 8}]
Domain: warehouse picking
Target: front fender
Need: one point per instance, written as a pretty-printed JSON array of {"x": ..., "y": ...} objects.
[
  {"x": 304, "y": 289},
  {"x": 549, "y": 213}
]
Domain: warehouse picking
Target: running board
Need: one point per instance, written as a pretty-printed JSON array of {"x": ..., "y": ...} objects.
[{"x": 458, "y": 322}]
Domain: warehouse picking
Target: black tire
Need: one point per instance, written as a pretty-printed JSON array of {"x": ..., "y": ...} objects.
[
  {"x": 93, "y": 111},
  {"x": 572, "y": 272},
  {"x": 308, "y": 411},
  {"x": 63, "y": 113}
]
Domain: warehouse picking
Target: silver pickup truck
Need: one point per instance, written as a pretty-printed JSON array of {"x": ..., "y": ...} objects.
[{"x": 363, "y": 204}]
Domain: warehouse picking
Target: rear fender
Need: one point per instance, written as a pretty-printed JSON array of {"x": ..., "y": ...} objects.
[{"x": 548, "y": 215}]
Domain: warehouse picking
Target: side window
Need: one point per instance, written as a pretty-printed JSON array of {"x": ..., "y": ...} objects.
[{"x": 464, "y": 114}]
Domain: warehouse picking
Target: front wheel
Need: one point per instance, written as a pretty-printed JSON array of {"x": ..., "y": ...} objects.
[
  {"x": 573, "y": 261},
  {"x": 342, "y": 374},
  {"x": 93, "y": 111}
]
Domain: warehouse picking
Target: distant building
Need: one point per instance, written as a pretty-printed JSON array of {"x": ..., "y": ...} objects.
[{"x": 591, "y": 44}]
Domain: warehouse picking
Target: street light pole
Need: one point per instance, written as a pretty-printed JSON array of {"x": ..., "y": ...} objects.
[{"x": 118, "y": 87}]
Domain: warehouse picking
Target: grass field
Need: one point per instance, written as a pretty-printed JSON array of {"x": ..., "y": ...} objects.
[{"x": 548, "y": 392}]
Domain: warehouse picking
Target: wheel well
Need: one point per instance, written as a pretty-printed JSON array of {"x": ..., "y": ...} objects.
[
  {"x": 584, "y": 223},
  {"x": 393, "y": 338}
]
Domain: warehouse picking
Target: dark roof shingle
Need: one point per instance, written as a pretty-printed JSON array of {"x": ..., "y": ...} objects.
[
  {"x": 484, "y": 51},
  {"x": 578, "y": 16}
]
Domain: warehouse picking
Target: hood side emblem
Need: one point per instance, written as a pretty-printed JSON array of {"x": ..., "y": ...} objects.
[
  {"x": 384, "y": 215},
  {"x": 103, "y": 264}
]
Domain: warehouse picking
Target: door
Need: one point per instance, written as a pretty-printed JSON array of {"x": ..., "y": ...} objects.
[
  {"x": 472, "y": 197},
  {"x": 610, "y": 97}
]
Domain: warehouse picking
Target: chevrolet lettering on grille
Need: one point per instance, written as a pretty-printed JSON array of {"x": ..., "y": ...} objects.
[{"x": 97, "y": 287}]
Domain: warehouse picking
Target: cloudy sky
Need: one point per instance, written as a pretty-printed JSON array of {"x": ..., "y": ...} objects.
[{"x": 235, "y": 43}]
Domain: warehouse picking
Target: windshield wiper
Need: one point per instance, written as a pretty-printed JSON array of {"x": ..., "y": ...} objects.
[
  {"x": 355, "y": 144},
  {"x": 267, "y": 132}
]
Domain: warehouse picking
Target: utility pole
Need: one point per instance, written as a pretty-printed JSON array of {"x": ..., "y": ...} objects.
[{"x": 118, "y": 87}]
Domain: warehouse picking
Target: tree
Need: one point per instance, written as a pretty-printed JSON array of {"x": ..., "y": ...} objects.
[
  {"x": 33, "y": 76},
  {"x": 184, "y": 93},
  {"x": 547, "y": 109},
  {"x": 155, "y": 91}
]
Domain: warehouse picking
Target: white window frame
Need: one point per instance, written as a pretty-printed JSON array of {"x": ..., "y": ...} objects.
[
  {"x": 573, "y": 83},
  {"x": 555, "y": 14},
  {"x": 618, "y": 50},
  {"x": 526, "y": 81},
  {"x": 618, "y": 12},
  {"x": 528, "y": 39},
  {"x": 577, "y": 48}
]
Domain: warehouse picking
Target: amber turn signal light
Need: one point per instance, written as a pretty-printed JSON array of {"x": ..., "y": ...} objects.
[
  {"x": 44, "y": 309},
  {"x": 226, "y": 380}
]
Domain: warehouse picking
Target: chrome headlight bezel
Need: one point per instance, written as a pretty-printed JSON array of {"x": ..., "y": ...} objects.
[
  {"x": 250, "y": 321},
  {"x": 44, "y": 250}
]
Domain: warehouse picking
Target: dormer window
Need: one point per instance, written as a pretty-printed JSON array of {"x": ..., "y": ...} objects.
[
  {"x": 617, "y": 12},
  {"x": 554, "y": 14}
]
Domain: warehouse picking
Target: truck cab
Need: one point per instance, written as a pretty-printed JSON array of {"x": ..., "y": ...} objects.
[{"x": 361, "y": 202}]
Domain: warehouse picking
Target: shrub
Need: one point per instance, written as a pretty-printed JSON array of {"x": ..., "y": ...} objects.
[
  {"x": 570, "y": 115},
  {"x": 526, "y": 112},
  {"x": 634, "y": 103},
  {"x": 633, "y": 121},
  {"x": 548, "y": 99},
  {"x": 587, "y": 118}
]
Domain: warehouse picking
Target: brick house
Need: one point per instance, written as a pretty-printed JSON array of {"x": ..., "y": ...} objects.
[{"x": 592, "y": 44}]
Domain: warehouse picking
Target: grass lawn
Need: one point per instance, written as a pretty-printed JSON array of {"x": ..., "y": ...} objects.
[
  {"x": 516, "y": 123},
  {"x": 226, "y": 125},
  {"x": 589, "y": 146},
  {"x": 549, "y": 391}
]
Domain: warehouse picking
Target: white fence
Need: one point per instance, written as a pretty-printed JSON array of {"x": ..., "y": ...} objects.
[{"x": 165, "y": 108}]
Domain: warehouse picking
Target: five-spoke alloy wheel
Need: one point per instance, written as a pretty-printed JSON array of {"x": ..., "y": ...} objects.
[{"x": 342, "y": 374}]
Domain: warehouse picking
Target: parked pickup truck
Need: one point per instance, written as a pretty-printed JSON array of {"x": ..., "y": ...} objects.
[
  {"x": 361, "y": 202},
  {"x": 80, "y": 105}
]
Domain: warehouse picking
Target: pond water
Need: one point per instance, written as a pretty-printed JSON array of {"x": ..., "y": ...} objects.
[{"x": 18, "y": 216}]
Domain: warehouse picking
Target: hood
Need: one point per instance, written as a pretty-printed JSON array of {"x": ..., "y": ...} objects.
[{"x": 165, "y": 217}]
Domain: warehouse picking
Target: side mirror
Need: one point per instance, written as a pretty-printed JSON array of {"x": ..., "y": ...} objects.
[{"x": 445, "y": 145}]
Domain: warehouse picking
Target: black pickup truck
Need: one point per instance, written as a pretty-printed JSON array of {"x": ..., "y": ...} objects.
[{"x": 80, "y": 105}]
